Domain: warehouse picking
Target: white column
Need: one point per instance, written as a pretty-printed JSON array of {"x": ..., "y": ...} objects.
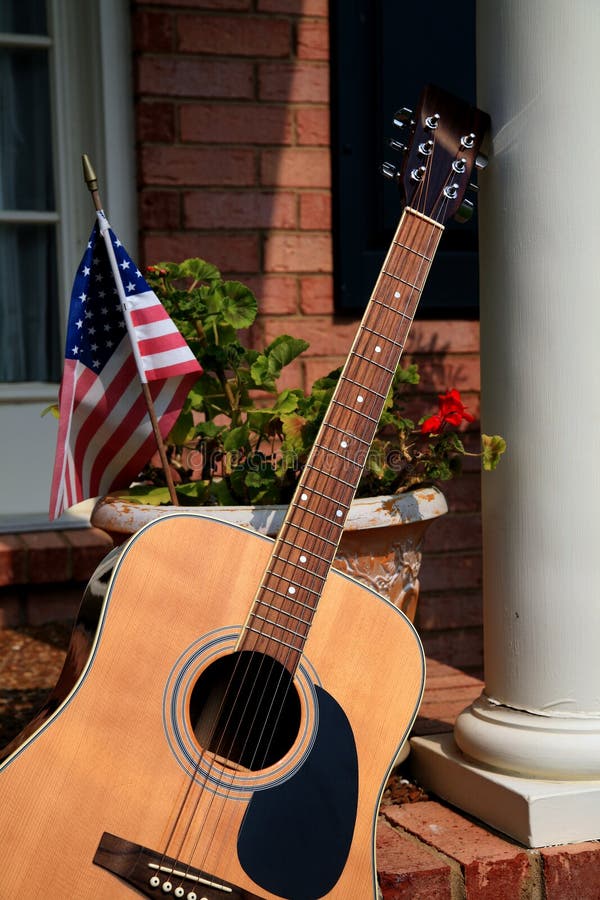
[{"x": 534, "y": 735}]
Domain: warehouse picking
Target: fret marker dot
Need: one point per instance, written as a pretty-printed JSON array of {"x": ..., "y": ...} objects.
[
  {"x": 339, "y": 513},
  {"x": 304, "y": 496},
  {"x": 377, "y": 349},
  {"x": 291, "y": 590},
  {"x": 302, "y": 559},
  {"x": 397, "y": 295},
  {"x": 360, "y": 398},
  {"x": 343, "y": 444}
]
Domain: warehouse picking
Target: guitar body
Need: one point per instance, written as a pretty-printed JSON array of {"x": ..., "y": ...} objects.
[{"x": 119, "y": 756}]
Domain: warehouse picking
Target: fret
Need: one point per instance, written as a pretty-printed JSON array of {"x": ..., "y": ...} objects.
[
  {"x": 415, "y": 287},
  {"x": 283, "y": 612},
  {"x": 372, "y": 361},
  {"x": 320, "y": 494},
  {"x": 412, "y": 250},
  {"x": 270, "y": 637},
  {"x": 344, "y": 431},
  {"x": 383, "y": 337},
  {"x": 392, "y": 309},
  {"x": 325, "y": 559},
  {"x": 346, "y": 459},
  {"x": 287, "y": 596},
  {"x": 363, "y": 387},
  {"x": 350, "y": 484},
  {"x": 294, "y": 584},
  {"x": 319, "y": 537},
  {"x": 312, "y": 512},
  {"x": 287, "y": 562},
  {"x": 299, "y": 634},
  {"x": 357, "y": 411}
]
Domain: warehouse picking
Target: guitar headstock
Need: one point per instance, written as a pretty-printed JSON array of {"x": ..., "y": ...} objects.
[{"x": 442, "y": 149}]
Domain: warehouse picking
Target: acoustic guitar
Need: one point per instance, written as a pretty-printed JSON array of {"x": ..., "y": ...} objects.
[{"x": 226, "y": 726}]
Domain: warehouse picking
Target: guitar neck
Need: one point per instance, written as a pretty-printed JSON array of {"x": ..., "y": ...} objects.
[{"x": 282, "y": 612}]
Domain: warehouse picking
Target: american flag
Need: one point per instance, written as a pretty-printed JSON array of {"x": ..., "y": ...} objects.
[{"x": 105, "y": 435}]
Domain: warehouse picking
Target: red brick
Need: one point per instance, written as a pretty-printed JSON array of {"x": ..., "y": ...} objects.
[
  {"x": 56, "y": 604},
  {"x": 454, "y": 532},
  {"x": 277, "y": 295},
  {"x": 315, "y": 212},
  {"x": 572, "y": 872},
  {"x": 237, "y": 209},
  {"x": 317, "y": 330},
  {"x": 152, "y": 31},
  {"x": 298, "y": 253},
  {"x": 316, "y": 295},
  {"x": 295, "y": 168},
  {"x": 155, "y": 122},
  {"x": 202, "y": 4},
  {"x": 442, "y": 611},
  {"x": 89, "y": 546},
  {"x": 160, "y": 210},
  {"x": 13, "y": 560},
  {"x": 409, "y": 870},
  {"x": 188, "y": 166},
  {"x": 230, "y": 253},
  {"x": 295, "y": 7},
  {"x": 313, "y": 126},
  {"x": 313, "y": 40},
  {"x": 464, "y": 494},
  {"x": 235, "y": 123},
  {"x": 493, "y": 869},
  {"x": 234, "y": 35},
  {"x": 289, "y": 83},
  {"x": 48, "y": 556},
  {"x": 460, "y": 570},
  {"x": 441, "y": 371},
  {"x": 179, "y": 77},
  {"x": 460, "y": 647},
  {"x": 443, "y": 336}
]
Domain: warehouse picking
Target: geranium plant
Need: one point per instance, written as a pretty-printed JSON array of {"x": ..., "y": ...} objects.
[{"x": 241, "y": 440}]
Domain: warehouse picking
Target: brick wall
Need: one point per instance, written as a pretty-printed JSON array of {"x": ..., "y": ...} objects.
[{"x": 232, "y": 112}]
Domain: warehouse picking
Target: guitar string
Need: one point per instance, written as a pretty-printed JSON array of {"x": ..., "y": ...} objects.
[
  {"x": 289, "y": 652},
  {"x": 270, "y": 636}
]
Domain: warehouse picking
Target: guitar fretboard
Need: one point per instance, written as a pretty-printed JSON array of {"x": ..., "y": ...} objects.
[{"x": 283, "y": 609}]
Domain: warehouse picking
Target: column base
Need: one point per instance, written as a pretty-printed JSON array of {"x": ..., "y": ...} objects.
[{"x": 535, "y": 812}]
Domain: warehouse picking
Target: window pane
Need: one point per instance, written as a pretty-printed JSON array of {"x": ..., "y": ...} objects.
[
  {"x": 26, "y": 179},
  {"x": 23, "y": 16},
  {"x": 29, "y": 329}
]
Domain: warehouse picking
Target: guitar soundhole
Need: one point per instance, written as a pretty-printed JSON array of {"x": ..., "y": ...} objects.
[{"x": 245, "y": 709}]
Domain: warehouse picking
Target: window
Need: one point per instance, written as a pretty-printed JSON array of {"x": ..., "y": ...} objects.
[
  {"x": 383, "y": 52},
  {"x": 65, "y": 89}
]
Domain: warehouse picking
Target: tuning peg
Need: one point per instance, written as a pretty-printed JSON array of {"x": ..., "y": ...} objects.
[
  {"x": 403, "y": 117},
  {"x": 464, "y": 211},
  {"x": 467, "y": 140},
  {"x": 396, "y": 145},
  {"x": 473, "y": 187},
  {"x": 417, "y": 174},
  {"x": 481, "y": 161},
  {"x": 388, "y": 170}
]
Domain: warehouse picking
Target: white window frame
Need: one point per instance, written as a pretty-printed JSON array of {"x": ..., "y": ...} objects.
[{"x": 92, "y": 107}]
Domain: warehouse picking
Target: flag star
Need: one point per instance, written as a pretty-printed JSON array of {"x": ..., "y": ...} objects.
[
  {"x": 96, "y": 364},
  {"x": 138, "y": 274},
  {"x": 91, "y": 331},
  {"x": 75, "y": 350},
  {"x": 102, "y": 294},
  {"x": 82, "y": 297},
  {"x": 131, "y": 286},
  {"x": 89, "y": 245},
  {"x": 86, "y": 270},
  {"x": 122, "y": 323},
  {"x": 95, "y": 260},
  {"x": 109, "y": 344},
  {"x": 93, "y": 347},
  {"x": 104, "y": 310},
  {"x": 125, "y": 264},
  {"x": 115, "y": 290},
  {"x": 99, "y": 277},
  {"x": 117, "y": 242},
  {"x": 79, "y": 323},
  {"x": 88, "y": 314},
  {"x": 107, "y": 327}
]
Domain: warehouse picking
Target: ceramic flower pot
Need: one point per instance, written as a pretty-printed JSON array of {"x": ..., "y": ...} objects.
[{"x": 381, "y": 544}]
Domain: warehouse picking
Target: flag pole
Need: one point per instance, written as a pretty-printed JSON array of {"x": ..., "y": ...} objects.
[{"x": 92, "y": 183}]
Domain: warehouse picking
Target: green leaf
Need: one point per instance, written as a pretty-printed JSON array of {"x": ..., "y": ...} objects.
[
  {"x": 183, "y": 429},
  {"x": 492, "y": 449},
  {"x": 236, "y": 438},
  {"x": 283, "y": 350},
  {"x": 198, "y": 269},
  {"x": 52, "y": 409},
  {"x": 239, "y": 305}
]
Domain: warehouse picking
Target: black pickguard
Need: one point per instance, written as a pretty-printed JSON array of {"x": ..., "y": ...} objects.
[{"x": 295, "y": 837}]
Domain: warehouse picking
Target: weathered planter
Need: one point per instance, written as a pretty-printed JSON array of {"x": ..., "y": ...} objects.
[{"x": 381, "y": 544}]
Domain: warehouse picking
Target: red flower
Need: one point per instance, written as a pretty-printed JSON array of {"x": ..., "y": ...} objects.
[{"x": 452, "y": 412}]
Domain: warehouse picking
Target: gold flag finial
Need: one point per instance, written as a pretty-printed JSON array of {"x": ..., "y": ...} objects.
[{"x": 88, "y": 173}]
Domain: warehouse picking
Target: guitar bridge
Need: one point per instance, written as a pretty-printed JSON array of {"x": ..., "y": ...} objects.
[{"x": 153, "y": 874}]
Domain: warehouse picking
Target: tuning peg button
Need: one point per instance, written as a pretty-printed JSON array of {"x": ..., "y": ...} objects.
[
  {"x": 464, "y": 211},
  {"x": 396, "y": 145},
  {"x": 403, "y": 117},
  {"x": 481, "y": 161},
  {"x": 389, "y": 171}
]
